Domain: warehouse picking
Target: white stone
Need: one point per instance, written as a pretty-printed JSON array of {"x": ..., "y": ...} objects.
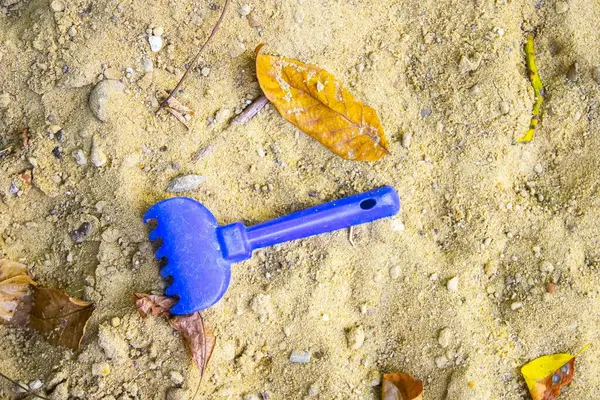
[
  {"x": 452, "y": 284},
  {"x": 57, "y": 6},
  {"x": 98, "y": 158},
  {"x": 35, "y": 385},
  {"x": 300, "y": 356},
  {"x": 156, "y": 43},
  {"x": 245, "y": 10},
  {"x": 80, "y": 157},
  {"x": 222, "y": 115},
  {"x": 445, "y": 337},
  {"x": 355, "y": 337}
]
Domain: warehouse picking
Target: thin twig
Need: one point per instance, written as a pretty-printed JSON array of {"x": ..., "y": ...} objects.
[
  {"x": 25, "y": 388},
  {"x": 250, "y": 111},
  {"x": 351, "y": 236},
  {"x": 193, "y": 63}
]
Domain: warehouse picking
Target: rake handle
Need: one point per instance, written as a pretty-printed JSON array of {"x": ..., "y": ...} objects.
[{"x": 239, "y": 241}]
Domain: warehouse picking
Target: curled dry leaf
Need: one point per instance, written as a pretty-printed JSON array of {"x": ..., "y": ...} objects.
[
  {"x": 316, "y": 102},
  {"x": 155, "y": 305},
  {"x": 60, "y": 318},
  {"x": 199, "y": 341},
  {"x": 547, "y": 375},
  {"x": 401, "y": 386},
  {"x": 14, "y": 286}
]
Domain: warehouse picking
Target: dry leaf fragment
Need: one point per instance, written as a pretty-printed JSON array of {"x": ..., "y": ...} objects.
[
  {"x": 199, "y": 341},
  {"x": 60, "y": 318},
  {"x": 14, "y": 286},
  {"x": 547, "y": 375},
  {"x": 155, "y": 305},
  {"x": 401, "y": 386},
  {"x": 316, "y": 102}
]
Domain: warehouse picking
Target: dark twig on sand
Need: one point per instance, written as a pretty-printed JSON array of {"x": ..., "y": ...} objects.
[
  {"x": 193, "y": 63},
  {"x": 250, "y": 111},
  {"x": 25, "y": 388}
]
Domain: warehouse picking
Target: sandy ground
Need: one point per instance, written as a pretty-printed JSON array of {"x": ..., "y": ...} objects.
[{"x": 505, "y": 219}]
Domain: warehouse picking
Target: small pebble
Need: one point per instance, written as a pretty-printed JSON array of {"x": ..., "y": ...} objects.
[
  {"x": 475, "y": 90},
  {"x": 445, "y": 337},
  {"x": 470, "y": 63},
  {"x": 78, "y": 235},
  {"x": 245, "y": 10},
  {"x": 101, "y": 369},
  {"x": 425, "y": 112},
  {"x": 35, "y": 385},
  {"x": 158, "y": 31},
  {"x": 551, "y": 287},
  {"x": 205, "y": 71},
  {"x": 97, "y": 157},
  {"x": 538, "y": 168},
  {"x": 156, "y": 43},
  {"x": 147, "y": 64},
  {"x": 261, "y": 152},
  {"x": 79, "y": 156},
  {"x": 516, "y": 305},
  {"x": 452, "y": 284},
  {"x": 72, "y": 32},
  {"x": 237, "y": 50},
  {"x": 222, "y": 115},
  {"x": 300, "y": 356},
  {"x": 406, "y": 138},
  {"x": 395, "y": 272},
  {"x": 504, "y": 108},
  {"x": 561, "y": 7},
  {"x": 186, "y": 183},
  {"x": 112, "y": 73},
  {"x": 100, "y": 98},
  {"x": 573, "y": 73},
  {"x": 115, "y": 321},
  {"x": 176, "y": 378},
  {"x": 57, "y": 153},
  {"x": 57, "y": 6},
  {"x": 355, "y": 337},
  {"x": 441, "y": 362}
]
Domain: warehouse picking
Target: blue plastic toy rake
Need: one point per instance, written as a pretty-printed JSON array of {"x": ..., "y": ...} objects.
[{"x": 199, "y": 252}]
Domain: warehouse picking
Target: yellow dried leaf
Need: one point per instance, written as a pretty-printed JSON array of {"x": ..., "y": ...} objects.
[
  {"x": 318, "y": 104},
  {"x": 14, "y": 286},
  {"x": 401, "y": 386},
  {"x": 547, "y": 375}
]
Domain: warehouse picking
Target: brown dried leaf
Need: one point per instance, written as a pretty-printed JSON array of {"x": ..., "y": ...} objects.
[
  {"x": 199, "y": 341},
  {"x": 14, "y": 286},
  {"x": 155, "y": 305},
  {"x": 400, "y": 386},
  {"x": 60, "y": 318},
  {"x": 316, "y": 102}
]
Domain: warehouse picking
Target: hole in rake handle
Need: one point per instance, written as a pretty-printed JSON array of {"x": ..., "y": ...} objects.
[{"x": 368, "y": 204}]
